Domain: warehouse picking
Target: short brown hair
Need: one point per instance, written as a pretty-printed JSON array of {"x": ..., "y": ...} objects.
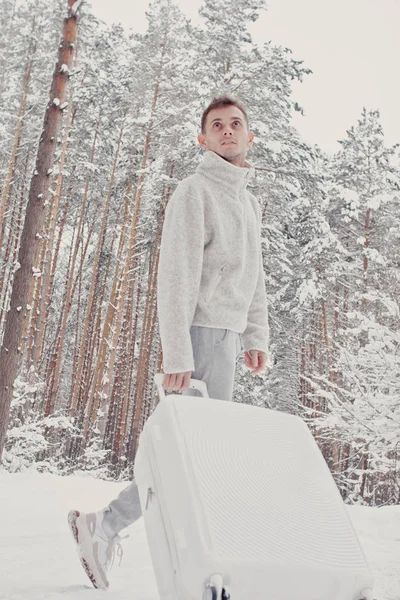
[{"x": 224, "y": 100}]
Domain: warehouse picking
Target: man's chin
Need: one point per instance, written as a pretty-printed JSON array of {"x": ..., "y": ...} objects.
[{"x": 228, "y": 153}]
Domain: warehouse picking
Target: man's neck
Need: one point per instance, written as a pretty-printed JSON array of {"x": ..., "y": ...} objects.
[{"x": 237, "y": 161}]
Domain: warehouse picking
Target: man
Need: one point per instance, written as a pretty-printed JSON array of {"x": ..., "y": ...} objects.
[{"x": 211, "y": 297}]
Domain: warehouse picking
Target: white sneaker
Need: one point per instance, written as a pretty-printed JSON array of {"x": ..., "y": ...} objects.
[{"x": 96, "y": 548}]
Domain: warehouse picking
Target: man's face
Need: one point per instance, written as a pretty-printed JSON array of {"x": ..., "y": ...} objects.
[{"x": 226, "y": 134}]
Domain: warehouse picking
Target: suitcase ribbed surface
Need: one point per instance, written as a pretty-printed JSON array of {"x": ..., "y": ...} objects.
[{"x": 265, "y": 489}]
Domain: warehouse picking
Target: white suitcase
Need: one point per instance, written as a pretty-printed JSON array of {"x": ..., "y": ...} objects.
[{"x": 238, "y": 500}]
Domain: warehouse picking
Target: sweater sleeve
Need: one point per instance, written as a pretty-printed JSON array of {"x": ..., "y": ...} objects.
[
  {"x": 178, "y": 281},
  {"x": 256, "y": 334}
]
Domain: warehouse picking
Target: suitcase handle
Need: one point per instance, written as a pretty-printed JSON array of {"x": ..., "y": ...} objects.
[{"x": 196, "y": 384}]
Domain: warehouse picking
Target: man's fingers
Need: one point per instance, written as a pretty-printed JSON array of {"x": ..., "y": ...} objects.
[
  {"x": 166, "y": 382},
  {"x": 251, "y": 358},
  {"x": 173, "y": 381},
  {"x": 258, "y": 365},
  {"x": 186, "y": 380},
  {"x": 177, "y": 382},
  {"x": 169, "y": 381}
]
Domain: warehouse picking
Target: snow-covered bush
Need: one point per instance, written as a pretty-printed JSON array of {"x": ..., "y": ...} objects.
[{"x": 34, "y": 441}]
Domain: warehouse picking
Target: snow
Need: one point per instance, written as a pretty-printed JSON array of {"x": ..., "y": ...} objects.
[
  {"x": 75, "y": 7},
  {"x": 38, "y": 559},
  {"x": 375, "y": 202},
  {"x": 37, "y": 554},
  {"x": 274, "y": 146},
  {"x": 350, "y": 196},
  {"x": 307, "y": 289}
]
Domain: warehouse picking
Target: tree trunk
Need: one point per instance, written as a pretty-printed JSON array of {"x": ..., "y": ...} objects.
[
  {"x": 5, "y": 283},
  {"x": 149, "y": 322},
  {"x": 146, "y": 345},
  {"x": 94, "y": 399},
  {"x": 8, "y": 184},
  {"x": 106, "y": 336},
  {"x": 51, "y": 281},
  {"x": 7, "y": 263},
  {"x": 55, "y": 366},
  {"x": 76, "y": 386},
  {"x": 33, "y": 300},
  {"x": 10, "y": 356},
  {"x": 366, "y": 247},
  {"x": 45, "y": 296}
]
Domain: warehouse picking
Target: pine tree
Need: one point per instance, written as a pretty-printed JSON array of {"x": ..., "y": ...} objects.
[
  {"x": 9, "y": 353},
  {"x": 363, "y": 412}
]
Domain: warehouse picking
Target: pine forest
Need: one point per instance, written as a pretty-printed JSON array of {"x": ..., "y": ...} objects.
[{"x": 98, "y": 124}]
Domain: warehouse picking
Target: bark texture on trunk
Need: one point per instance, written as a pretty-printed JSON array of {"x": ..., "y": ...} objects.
[{"x": 10, "y": 355}]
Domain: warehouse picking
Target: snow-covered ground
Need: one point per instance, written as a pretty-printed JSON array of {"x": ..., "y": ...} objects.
[{"x": 38, "y": 560}]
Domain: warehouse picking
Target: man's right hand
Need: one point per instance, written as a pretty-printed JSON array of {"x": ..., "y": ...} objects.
[{"x": 177, "y": 382}]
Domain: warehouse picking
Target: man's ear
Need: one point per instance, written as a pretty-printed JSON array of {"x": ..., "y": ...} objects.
[
  {"x": 250, "y": 139},
  {"x": 202, "y": 140}
]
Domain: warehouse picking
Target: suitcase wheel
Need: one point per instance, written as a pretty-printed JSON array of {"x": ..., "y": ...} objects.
[
  {"x": 211, "y": 593},
  {"x": 215, "y": 590},
  {"x": 367, "y": 594},
  {"x": 225, "y": 594}
]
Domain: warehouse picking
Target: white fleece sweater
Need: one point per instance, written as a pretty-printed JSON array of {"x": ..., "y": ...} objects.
[{"x": 210, "y": 270}]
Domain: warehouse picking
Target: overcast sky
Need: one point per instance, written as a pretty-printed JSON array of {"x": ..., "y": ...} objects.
[{"x": 352, "y": 47}]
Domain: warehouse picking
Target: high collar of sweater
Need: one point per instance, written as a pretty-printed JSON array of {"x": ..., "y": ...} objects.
[{"x": 223, "y": 173}]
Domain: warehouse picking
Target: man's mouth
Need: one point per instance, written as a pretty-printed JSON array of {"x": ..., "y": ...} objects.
[{"x": 226, "y": 142}]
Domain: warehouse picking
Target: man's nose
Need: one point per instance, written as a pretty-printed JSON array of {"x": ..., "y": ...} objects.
[{"x": 227, "y": 131}]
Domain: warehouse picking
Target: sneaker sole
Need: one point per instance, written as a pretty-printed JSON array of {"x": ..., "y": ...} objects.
[{"x": 97, "y": 582}]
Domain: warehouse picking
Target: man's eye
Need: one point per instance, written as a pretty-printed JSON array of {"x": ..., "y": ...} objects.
[
  {"x": 216, "y": 124},
  {"x": 236, "y": 122}
]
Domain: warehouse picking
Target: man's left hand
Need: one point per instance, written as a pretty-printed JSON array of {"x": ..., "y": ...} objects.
[{"x": 255, "y": 360}]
